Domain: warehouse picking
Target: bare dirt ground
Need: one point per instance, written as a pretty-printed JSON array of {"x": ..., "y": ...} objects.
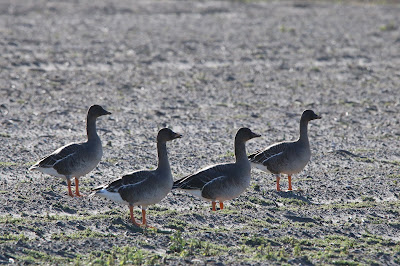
[{"x": 205, "y": 69}]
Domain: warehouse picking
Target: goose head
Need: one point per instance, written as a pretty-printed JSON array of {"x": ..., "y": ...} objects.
[
  {"x": 167, "y": 134},
  {"x": 97, "y": 110},
  {"x": 309, "y": 115},
  {"x": 244, "y": 134}
]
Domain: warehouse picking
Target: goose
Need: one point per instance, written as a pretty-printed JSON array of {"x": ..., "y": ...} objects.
[
  {"x": 143, "y": 188},
  {"x": 221, "y": 182},
  {"x": 286, "y": 157},
  {"x": 75, "y": 159}
]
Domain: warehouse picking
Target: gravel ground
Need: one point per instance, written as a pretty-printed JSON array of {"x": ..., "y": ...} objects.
[{"x": 204, "y": 69}]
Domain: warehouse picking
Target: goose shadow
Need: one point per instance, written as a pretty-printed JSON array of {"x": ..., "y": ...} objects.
[
  {"x": 135, "y": 229},
  {"x": 294, "y": 195}
]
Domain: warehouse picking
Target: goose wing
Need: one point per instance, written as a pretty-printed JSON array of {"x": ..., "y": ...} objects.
[
  {"x": 58, "y": 155},
  {"x": 126, "y": 181},
  {"x": 273, "y": 150},
  {"x": 200, "y": 179}
]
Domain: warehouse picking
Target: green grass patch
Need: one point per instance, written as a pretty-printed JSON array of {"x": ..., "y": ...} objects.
[
  {"x": 120, "y": 256},
  {"x": 262, "y": 202},
  {"x": 228, "y": 154},
  {"x": 12, "y": 237},
  {"x": 87, "y": 233},
  {"x": 26, "y": 219},
  {"x": 37, "y": 257},
  {"x": 265, "y": 223},
  {"x": 345, "y": 262},
  {"x": 177, "y": 224},
  {"x": 163, "y": 212},
  {"x": 350, "y": 205},
  {"x": 388, "y": 27},
  {"x": 194, "y": 247},
  {"x": 9, "y": 219},
  {"x": 394, "y": 176},
  {"x": 7, "y": 164}
]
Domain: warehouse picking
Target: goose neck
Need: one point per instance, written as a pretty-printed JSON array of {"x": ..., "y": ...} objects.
[
  {"x": 304, "y": 130},
  {"x": 163, "y": 162},
  {"x": 91, "y": 128},
  {"x": 240, "y": 151}
]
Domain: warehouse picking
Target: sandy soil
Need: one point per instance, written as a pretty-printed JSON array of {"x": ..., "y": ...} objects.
[{"x": 204, "y": 69}]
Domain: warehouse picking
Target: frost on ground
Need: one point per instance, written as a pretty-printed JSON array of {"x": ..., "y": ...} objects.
[{"x": 204, "y": 69}]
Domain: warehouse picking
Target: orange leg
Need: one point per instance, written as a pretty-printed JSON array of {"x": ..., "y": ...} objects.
[
  {"x": 221, "y": 205},
  {"x": 77, "y": 187},
  {"x": 69, "y": 188},
  {"x": 278, "y": 187},
  {"x": 290, "y": 182},
  {"x": 213, "y": 206},
  {"x": 133, "y": 218},
  {"x": 144, "y": 222}
]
